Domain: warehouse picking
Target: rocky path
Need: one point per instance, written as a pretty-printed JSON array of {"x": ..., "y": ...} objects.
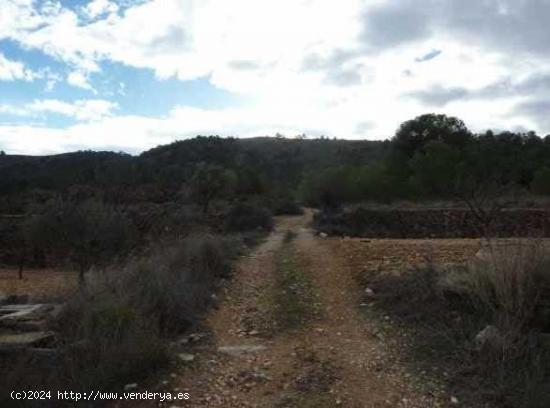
[{"x": 336, "y": 358}]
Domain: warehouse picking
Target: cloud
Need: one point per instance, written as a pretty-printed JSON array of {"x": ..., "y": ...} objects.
[
  {"x": 97, "y": 8},
  {"x": 538, "y": 110},
  {"x": 80, "y": 80},
  {"x": 82, "y": 110},
  {"x": 534, "y": 86},
  {"x": 394, "y": 24},
  {"x": 294, "y": 65},
  {"x": 439, "y": 96},
  {"x": 14, "y": 70}
]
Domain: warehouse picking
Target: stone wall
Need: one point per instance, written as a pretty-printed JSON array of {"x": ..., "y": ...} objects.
[{"x": 431, "y": 223}]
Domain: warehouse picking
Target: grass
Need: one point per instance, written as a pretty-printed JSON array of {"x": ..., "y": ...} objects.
[
  {"x": 295, "y": 298},
  {"x": 445, "y": 309}
]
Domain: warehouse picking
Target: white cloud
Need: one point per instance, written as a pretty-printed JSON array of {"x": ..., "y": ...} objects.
[
  {"x": 83, "y": 110},
  {"x": 14, "y": 70},
  {"x": 97, "y": 8},
  {"x": 314, "y": 66},
  {"x": 80, "y": 80}
]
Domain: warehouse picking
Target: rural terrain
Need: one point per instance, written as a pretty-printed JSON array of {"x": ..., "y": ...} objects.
[
  {"x": 282, "y": 272},
  {"x": 335, "y": 355}
]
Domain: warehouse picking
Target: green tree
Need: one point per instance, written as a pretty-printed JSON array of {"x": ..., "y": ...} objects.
[
  {"x": 210, "y": 182},
  {"x": 434, "y": 168},
  {"x": 541, "y": 181},
  {"x": 414, "y": 134}
]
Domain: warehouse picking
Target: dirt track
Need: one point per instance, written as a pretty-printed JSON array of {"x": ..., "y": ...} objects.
[{"x": 338, "y": 359}]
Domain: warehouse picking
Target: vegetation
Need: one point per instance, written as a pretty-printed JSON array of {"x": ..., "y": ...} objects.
[
  {"x": 482, "y": 323},
  {"x": 89, "y": 233},
  {"x": 295, "y": 301},
  {"x": 116, "y": 331},
  {"x": 95, "y": 211}
]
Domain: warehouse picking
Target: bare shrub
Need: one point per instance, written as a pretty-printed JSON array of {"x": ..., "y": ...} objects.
[
  {"x": 481, "y": 321},
  {"x": 175, "y": 284},
  {"x": 115, "y": 331},
  {"x": 512, "y": 283}
]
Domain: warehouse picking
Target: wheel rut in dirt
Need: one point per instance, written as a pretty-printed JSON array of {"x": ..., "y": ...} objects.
[{"x": 329, "y": 356}]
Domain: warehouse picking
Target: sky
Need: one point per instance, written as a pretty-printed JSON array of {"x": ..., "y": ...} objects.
[{"x": 128, "y": 75}]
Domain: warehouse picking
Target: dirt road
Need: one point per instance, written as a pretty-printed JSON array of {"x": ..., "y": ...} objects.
[{"x": 335, "y": 357}]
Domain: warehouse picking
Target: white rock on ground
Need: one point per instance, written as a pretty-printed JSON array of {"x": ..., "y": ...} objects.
[
  {"x": 186, "y": 357},
  {"x": 490, "y": 335}
]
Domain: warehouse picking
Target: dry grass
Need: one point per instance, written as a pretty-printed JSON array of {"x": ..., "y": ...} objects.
[
  {"x": 39, "y": 284},
  {"x": 445, "y": 304}
]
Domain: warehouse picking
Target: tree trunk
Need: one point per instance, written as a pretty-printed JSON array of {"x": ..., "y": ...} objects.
[
  {"x": 22, "y": 262},
  {"x": 82, "y": 278}
]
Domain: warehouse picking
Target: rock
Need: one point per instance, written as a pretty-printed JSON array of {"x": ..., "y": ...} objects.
[
  {"x": 18, "y": 341},
  {"x": 129, "y": 387},
  {"x": 369, "y": 292},
  {"x": 489, "y": 336},
  {"x": 454, "y": 400},
  {"x": 196, "y": 337},
  {"x": 12, "y": 313},
  {"x": 323, "y": 235},
  {"x": 186, "y": 357},
  {"x": 240, "y": 350}
]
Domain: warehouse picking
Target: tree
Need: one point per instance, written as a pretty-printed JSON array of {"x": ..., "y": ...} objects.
[
  {"x": 434, "y": 168},
  {"x": 541, "y": 181},
  {"x": 88, "y": 234},
  {"x": 484, "y": 186},
  {"x": 210, "y": 182},
  {"x": 414, "y": 134}
]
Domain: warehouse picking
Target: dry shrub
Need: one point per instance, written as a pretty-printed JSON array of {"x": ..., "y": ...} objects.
[
  {"x": 248, "y": 217},
  {"x": 512, "y": 283},
  {"x": 508, "y": 290},
  {"x": 115, "y": 332}
]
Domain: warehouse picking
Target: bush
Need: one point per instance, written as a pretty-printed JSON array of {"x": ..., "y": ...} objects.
[
  {"x": 541, "y": 182},
  {"x": 248, "y": 217},
  {"x": 175, "y": 285},
  {"x": 512, "y": 284},
  {"x": 115, "y": 332},
  {"x": 107, "y": 342},
  {"x": 507, "y": 291},
  {"x": 286, "y": 206}
]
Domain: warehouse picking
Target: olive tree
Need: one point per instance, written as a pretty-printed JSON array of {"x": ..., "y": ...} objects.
[{"x": 88, "y": 234}]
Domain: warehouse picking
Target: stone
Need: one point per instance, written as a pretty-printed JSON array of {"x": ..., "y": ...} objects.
[
  {"x": 369, "y": 292},
  {"x": 489, "y": 336},
  {"x": 129, "y": 387},
  {"x": 11, "y": 313},
  {"x": 240, "y": 350},
  {"x": 186, "y": 357},
  {"x": 454, "y": 400},
  {"x": 18, "y": 341},
  {"x": 196, "y": 337},
  {"x": 323, "y": 235}
]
